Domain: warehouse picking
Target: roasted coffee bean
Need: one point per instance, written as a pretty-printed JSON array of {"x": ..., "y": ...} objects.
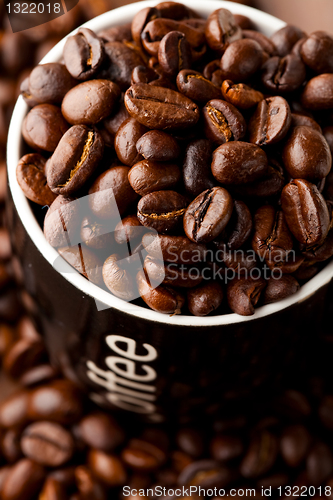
[
  {"x": 175, "y": 10},
  {"x": 241, "y": 60},
  {"x": 171, "y": 274},
  {"x": 61, "y": 221},
  {"x": 270, "y": 122},
  {"x": 317, "y": 52},
  {"x": 204, "y": 299},
  {"x": 23, "y": 481},
  {"x": 31, "y": 178},
  {"x": 43, "y": 127},
  {"x": 278, "y": 289},
  {"x": 306, "y": 154},
  {"x": 241, "y": 95},
  {"x": 121, "y": 33},
  {"x": 241, "y": 263},
  {"x": 161, "y": 109},
  {"x": 174, "y": 53},
  {"x": 121, "y": 59},
  {"x": 90, "y": 102},
  {"x": 36, "y": 375},
  {"x": 270, "y": 185},
  {"x": 113, "y": 122},
  {"x": 208, "y": 215},
  {"x": 319, "y": 463},
  {"x": 223, "y": 122},
  {"x": 101, "y": 431},
  {"x": 60, "y": 401},
  {"x": 47, "y": 443},
  {"x": 162, "y": 210},
  {"x": 74, "y": 160},
  {"x": 299, "y": 120},
  {"x": 140, "y": 20},
  {"x": 244, "y": 22},
  {"x": 212, "y": 71},
  {"x": 195, "y": 86},
  {"x": 148, "y": 176},
  {"x": 83, "y": 54},
  {"x": 295, "y": 443},
  {"x": 285, "y": 38},
  {"x": 96, "y": 234},
  {"x": 119, "y": 277},
  {"x": 10, "y": 445},
  {"x": 107, "y": 468},
  {"x": 244, "y": 293},
  {"x": 158, "y": 146},
  {"x": 221, "y": 30},
  {"x": 21, "y": 356},
  {"x": 238, "y": 163},
  {"x": 238, "y": 228},
  {"x": 111, "y": 193},
  {"x": 260, "y": 456},
  {"x": 53, "y": 490},
  {"x": 85, "y": 261},
  {"x": 125, "y": 141},
  {"x": 48, "y": 83},
  {"x": 87, "y": 484},
  {"x": 266, "y": 43},
  {"x": 197, "y": 175},
  {"x": 306, "y": 212},
  {"x": 283, "y": 75},
  {"x": 142, "y": 455},
  {"x": 191, "y": 441},
  {"x": 128, "y": 230},
  {"x": 162, "y": 299},
  {"x": 206, "y": 473},
  {"x": 142, "y": 74},
  {"x": 318, "y": 94},
  {"x": 226, "y": 447}
]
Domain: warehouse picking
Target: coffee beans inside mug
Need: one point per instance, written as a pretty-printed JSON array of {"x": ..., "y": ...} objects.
[{"x": 187, "y": 149}]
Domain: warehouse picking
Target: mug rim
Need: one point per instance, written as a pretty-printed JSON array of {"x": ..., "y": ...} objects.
[{"x": 22, "y": 205}]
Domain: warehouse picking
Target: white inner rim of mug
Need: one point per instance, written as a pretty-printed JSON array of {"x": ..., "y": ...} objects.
[{"x": 265, "y": 23}]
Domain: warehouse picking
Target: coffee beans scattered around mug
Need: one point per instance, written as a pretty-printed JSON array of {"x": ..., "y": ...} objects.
[{"x": 186, "y": 162}]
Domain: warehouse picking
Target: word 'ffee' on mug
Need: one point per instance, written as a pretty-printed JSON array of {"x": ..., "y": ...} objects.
[{"x": 133, "y": 359}]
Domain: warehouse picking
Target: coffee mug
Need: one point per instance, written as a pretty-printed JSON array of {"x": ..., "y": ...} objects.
[{"x": 135, "y": 360}]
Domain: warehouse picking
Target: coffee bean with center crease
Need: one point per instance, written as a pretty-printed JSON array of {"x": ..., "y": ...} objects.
[
  {"x": 96, "y": 234},
  {"x": 47, "y": 443},
  {"x": 120, "y": 61},
  {"x": 195, "y": 86},
  {"x": 206, "y": 473},
  {"x": 23, "y": 481},
  {"x": 107, "y": 468},
  {"x": 197, "y": 174},
  {"x": 128, "y": 230},
  {"x": 158, "y": 146},
  {"x": 174, "y": 53},
  {"x": 238, "y": 228},
  {"x": 243, "y": 294},
  {"x": 74, "y": 160},
  {"x": 43, "y": 127},
  {"x": 241, "y": 95},
  {"x": 305, "y": 211},
  {"x": 238, "y": 163},
  {"x": 83, "y": 54},
  {"x": 90, "y": 102},
  {"x": 142, "y": 455},
  {"x": 31, "y": 178},
  {"x": 163, "y": 299},
  {"x": 61, "y": 221},
  {"x": 221, "y": 30},
  {"x": 306, "y": 154},
  {"x": 85, "y": 261},
  {"x": 241, "y": 60},
  {"x": 270, "y": 122},
  {"x": 223, "y": 122},
  {"x": 160, "y": 108},
  {"x": 148, "y": 176},
  {"x": 283, "y": 75},
  {"x": 162, "y": 210},
  {"x": 120, "y": 278},
  {"x": 141, "y": 18},
  {"x": 208, "y": 215}
]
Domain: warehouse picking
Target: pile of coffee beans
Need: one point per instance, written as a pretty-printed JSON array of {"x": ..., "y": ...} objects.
[{"x": 185, "y": 161}]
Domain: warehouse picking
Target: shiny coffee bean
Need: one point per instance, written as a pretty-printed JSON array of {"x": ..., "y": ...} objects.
[
  {"x": 52, "y": 490},
  {"x": 318, "y": 94},
  {"x": 119, "y": 278},
  {"x": 43, "y": 127},
  {"x": 241, "y": 95},
  {"x": 197, "y": 175},
  {"x": 61, "y": 221},
  {"x": 177, "y": 249},
  {"x": 206, "y": 473},
  {"x": 283, "y": 75},
  {"x": 299, "y": 120},
  {"x": 121, "y": 59},
  {"x": 162, "y": 210},
  {"x": 270, "y": 122},
  {"x": 241, "y": 60},
  {"x": 48, "y": 83},
  {"x": 174, "y": 53},
  {"x": 171, "y": 274},
  {"x": 95, "y": 234},
  {"x": 221, "y": 30},
  {"x": 23, "y": 481},
  {"x": 317, "y": 52},
  {"x": 83, "y": 54},
  {"x": 223, "y": 122},
  {"x": 47, "y": 443},
  {"x": 161, "y": 109},
  {"x": 107, "y": 468},
  {"x": 158, "y": 146},
  {"x": 140, "y": 20},
  {"x": 285, "y": 38},
  {"x": 101, "y": 431},
  {"x": 22, "y": 355},
  {"x": 238, "y": 228},
  {"x": 111, "y": 193},
  {"x": 14, "y": 410},
  {"x": 85, "y": 261},
  {"x": 279, "y": 289},
  {"x": 87, "y": 484},
  {"x": 74, "y": 160},
  {"x": 306, "y": 154},
  {"x": 125, "y": 141},
  {"x": 266, "y": 43},
  {"x": 205, "y": 298},
  {"x": 208, "y": 215},
  {"x": 162, "y": 299},
  {"x": 90, "y": 102},
  {"x": 121, "y": 33},
  {"x": 295, "y": 443},
  {"x": 142, "y": 455},
  {"x": 31, "y": 178},
  {"x": 128, "y": 230},
  {"x": 195, "y": 86},
  {"x": 305, "y": 211},
  {"x": 243, "y": 294},
  {"x": 148, "y": 176},
  {"x": 238, "y": 163}
]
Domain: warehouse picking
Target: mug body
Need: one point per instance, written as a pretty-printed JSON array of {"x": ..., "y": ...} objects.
[{"x": 138, "y": 361}]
